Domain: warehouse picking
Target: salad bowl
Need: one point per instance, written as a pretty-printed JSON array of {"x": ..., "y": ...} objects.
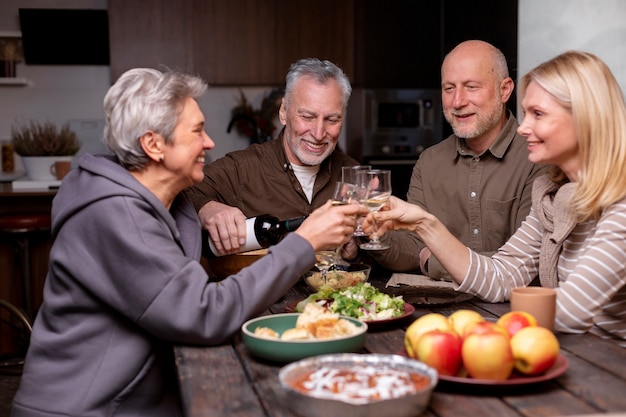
[{"x": 362, "y": 301}]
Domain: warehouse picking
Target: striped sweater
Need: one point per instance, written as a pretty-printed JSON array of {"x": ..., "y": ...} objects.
[{"x": 590, "y": 266}]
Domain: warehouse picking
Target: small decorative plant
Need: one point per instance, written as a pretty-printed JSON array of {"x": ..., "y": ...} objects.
[
  {"x": 44, "y": 139},
  {"x": 263, "y": 116}
]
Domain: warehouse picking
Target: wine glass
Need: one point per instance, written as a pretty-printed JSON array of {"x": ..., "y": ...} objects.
[
  {"x": 351, "y": 176},
  {"x": 378, "y": 185},
  {"x": 327, "y": 260}
]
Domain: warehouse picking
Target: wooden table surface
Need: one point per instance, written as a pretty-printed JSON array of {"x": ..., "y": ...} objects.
[{"x": 226, "y": 380}]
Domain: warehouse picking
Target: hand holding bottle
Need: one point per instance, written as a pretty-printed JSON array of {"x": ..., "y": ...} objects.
[
  {"x": 331, "y": 226},
  {"x": 226, "y": 227}
]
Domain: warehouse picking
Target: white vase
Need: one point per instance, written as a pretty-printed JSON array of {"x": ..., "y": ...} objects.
[{"x": 41, "y": 168}]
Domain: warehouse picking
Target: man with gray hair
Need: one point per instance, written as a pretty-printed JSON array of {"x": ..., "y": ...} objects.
[
  {"x": 477, "y": 181},
  {"x": 289, "y": 176}
]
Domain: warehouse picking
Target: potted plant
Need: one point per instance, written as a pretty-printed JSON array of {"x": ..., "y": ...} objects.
[{"x": 41, "y": 145}]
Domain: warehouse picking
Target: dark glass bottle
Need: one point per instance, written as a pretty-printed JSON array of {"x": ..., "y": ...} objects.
[{"x": 263, "y": 231}]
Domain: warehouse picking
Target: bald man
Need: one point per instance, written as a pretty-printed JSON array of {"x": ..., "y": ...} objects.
[{"x": 477, "y": 181}]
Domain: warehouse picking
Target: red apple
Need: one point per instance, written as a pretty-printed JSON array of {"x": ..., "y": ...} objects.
[
  {"x": 460, "y": 319},
  {"x": 484, "y": 327},
  {"x": 441, "y": 349},
  {"x": 513, "y": 321},
  {"x": 488, "y": 355},
  {"x": 423, "y": 324},
  {"x": 535, "y": 350}
]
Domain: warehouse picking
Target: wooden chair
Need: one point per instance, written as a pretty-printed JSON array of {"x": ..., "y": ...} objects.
[
  {"x": 16, "y": 321},
  {"x": 19, "y": 327}
]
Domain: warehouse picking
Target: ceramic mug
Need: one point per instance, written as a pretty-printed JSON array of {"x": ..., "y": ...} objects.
[
  {"x": 538, "y": 301},
  {"x": 60, "y": 169}
]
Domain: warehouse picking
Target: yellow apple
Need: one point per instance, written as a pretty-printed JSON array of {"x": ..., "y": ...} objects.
[
  {"x": 488, "y": 355},
  {"x": 430, "y": 321},
  {"x": 513, "y": 321},
  {"x": 535, "y": 350},
  {"x": 460, "y": 319},
  {"x": 482, "y": 327},
  {"x": 440, "y": 349}
]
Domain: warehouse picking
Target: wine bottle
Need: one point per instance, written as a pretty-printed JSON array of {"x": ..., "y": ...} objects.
[{"x": 262, "y": 231}]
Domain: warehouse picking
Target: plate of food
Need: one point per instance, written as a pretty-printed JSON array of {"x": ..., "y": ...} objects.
[
  {"x": 293, "y": 336},
  {"x": 362, "y": 301},
  {"x": 516, "y": 378},
  {"x": 337, "y": 278}
]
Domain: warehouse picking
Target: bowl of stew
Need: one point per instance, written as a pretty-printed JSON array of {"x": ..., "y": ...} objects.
[{"x": 379, "y": 384}]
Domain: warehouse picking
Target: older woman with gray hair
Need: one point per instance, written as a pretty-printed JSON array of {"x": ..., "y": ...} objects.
[{"x": 124, "y": 283}]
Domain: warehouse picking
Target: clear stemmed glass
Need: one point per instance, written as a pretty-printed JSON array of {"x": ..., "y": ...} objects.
[
  {"x": 350, "y": 175},
  {"x": 326, "y": 260},
  {"x": 378, "y": 185}
]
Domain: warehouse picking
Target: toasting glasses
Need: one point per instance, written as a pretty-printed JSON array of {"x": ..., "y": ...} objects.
[
  {"x": 377, "y": 182},
  {"x": 328, "y": 260}
]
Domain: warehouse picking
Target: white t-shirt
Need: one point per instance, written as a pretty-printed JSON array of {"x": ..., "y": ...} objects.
[{"x": 306, "y": 175}]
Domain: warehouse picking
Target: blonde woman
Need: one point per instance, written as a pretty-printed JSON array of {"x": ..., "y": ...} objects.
[{"x": 574, "y": 238}]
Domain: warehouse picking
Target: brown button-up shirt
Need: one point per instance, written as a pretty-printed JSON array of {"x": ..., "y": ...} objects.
[{"x": 482, "y": 199}]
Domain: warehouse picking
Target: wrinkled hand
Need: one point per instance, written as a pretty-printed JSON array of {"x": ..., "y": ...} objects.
[
  {"x": 396, "y": 214},
  {"x": 226, "y": 226},
  {"x": 330, "y": 226}
]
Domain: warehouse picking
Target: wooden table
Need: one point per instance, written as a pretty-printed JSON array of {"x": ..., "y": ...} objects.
[{"x": 227, "y": 380}]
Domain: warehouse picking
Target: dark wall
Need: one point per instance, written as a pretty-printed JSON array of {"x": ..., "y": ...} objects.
[{"x": 493, "y": 21}]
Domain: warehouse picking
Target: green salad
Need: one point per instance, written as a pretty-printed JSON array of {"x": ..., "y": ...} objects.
[{"x": 361, "y": 301}]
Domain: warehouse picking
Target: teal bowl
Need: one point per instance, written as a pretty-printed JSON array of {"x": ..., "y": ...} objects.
[{"x": 284, "y": 351}]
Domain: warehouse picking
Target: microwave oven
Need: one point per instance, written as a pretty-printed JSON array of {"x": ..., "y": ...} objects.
[{"x": 401, "y": 122}]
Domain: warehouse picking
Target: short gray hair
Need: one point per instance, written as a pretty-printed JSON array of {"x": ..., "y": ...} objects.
[
  {"x": 319, "y": 70},
  {"x": 144, "y": 99}
]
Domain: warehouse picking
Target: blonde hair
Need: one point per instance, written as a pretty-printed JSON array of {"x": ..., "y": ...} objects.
[{"x": 583, "y": 84}]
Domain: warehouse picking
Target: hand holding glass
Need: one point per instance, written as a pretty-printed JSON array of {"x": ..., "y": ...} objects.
[{"x": 331, "y": 259}]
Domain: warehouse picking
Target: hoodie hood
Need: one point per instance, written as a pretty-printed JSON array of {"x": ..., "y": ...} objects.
[{"x": 98, "y": 177}]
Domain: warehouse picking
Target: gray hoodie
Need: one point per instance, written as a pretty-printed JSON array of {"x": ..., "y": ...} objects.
[{"x": 124, "y": 285}]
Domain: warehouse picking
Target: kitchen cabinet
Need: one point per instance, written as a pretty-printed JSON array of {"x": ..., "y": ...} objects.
[
  {"x": 390, "y": 44},
  {"x": 402, "y": 43},
  {"x": 150, "y": 33},
  {"x": 239, "y": 42}
]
